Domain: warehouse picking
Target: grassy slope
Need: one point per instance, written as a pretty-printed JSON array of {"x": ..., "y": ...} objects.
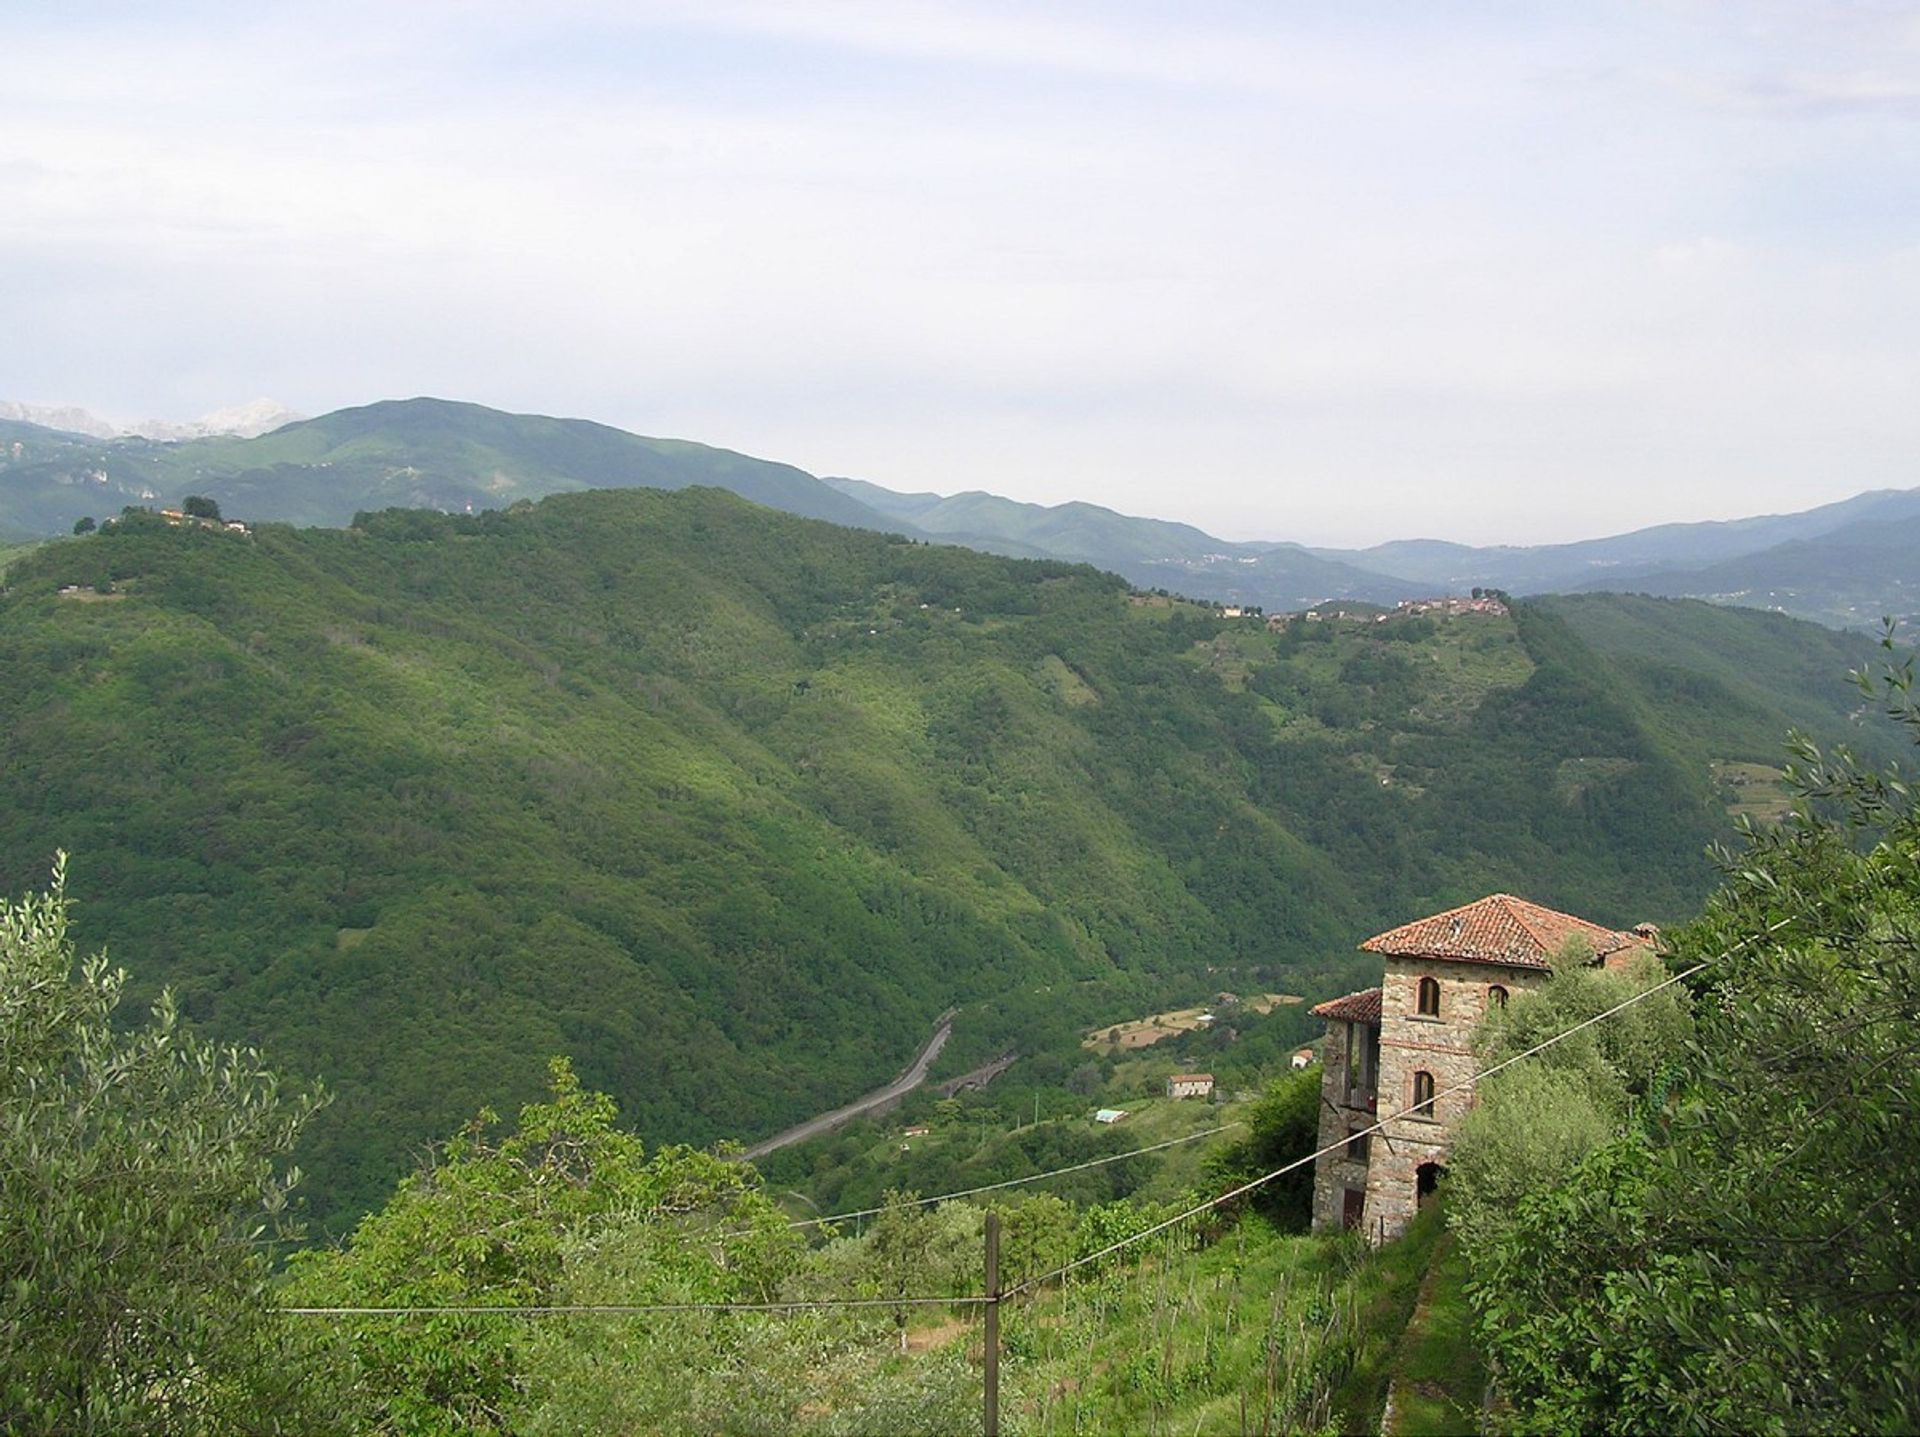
[
  {"x": 1258, "y": 1332},
  {"x": 728, "y": 804}
]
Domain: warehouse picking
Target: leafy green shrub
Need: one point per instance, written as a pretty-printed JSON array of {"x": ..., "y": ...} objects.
[
  {"x": 1744, "y": 1259},
  {"x": 1282, "y": 1125},
  {"x": 139, "y": 1180},
  {"x": 499, "y": 1222}
]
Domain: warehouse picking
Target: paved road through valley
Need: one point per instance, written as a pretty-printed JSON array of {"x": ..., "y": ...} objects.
[{"x": 879, "y": 1100}]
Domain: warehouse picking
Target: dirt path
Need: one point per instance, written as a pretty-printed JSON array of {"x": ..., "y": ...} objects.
[{"x": 878, "y": 1101}]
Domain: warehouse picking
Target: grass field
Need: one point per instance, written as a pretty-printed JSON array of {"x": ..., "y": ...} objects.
[
  {"x": 1752, "y": 790},
  {"x": 1144, "y": 1032},
  {"x": 1258, "y": 1332}
]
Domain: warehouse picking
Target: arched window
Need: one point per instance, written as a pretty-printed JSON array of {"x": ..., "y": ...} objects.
[
  {"x": 1496, "y": 996},
  {"x": 1426, "y": 1182},
  {"x": 1423, "y": 1094},
  {"x": 1429, "y": 1002}
]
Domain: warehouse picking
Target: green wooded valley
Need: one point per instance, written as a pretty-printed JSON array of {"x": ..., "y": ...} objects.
[{"x": 727, "y": 805}]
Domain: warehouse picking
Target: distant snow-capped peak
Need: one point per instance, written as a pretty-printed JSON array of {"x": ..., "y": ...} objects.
[{"x": 245, "y": 421}]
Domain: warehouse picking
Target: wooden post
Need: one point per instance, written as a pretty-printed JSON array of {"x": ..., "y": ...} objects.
[{"x": 991, "y": 1379}]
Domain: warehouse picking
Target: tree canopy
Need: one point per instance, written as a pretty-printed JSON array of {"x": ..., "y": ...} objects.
[
  {"x": 1739, "y": 1254},
  {"x": 141, "y": 1180}
]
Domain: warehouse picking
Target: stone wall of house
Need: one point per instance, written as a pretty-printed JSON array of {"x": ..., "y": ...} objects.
[
  {"x": 1413, "y": 1042},
  {"x": 1333, "y": 1173}
]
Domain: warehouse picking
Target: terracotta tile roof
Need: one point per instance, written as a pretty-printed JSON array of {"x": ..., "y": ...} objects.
[
  {"x": 1191, "y": 1078},
  {"x": 1500, "y": 929},
  {"x": 1354, "y": 1008}
]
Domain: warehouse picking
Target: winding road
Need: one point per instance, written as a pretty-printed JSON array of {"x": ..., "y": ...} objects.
[{"x": 879, "y": 1100}]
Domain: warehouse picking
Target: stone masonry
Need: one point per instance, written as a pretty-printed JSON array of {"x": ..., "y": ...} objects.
[{"x": 1385, "y": 1048}]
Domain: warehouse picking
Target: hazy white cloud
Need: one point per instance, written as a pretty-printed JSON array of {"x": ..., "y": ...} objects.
[{"x": 1336, "y": 275}]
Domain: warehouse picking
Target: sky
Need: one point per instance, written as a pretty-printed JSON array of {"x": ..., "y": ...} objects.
[{"x": 1331, "y": 272}]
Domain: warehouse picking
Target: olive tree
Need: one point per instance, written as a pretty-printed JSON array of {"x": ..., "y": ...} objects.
[
  {"x": 564, "y": 1204},
  {"x": 140, "y": 1183},
  {"x": 1743, "y": 1258}
]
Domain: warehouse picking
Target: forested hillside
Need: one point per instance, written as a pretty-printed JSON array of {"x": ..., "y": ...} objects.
[
  {"x": 727, "y": 804},
  {"x": 416, "y": 453}
]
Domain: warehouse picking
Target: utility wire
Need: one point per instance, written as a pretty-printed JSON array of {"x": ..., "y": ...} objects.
[
  {"x": 1244, "y": 1188},
  {"x": 1029, "y": 1284},
  {"x": 620, "y": 1309},
  {"x": 984, "y": 1187}
]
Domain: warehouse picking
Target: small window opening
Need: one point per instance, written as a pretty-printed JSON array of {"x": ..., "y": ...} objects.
[
  {"x": 1429, "y": 1001},
  {"x": 1496, "y": 996},
  {"x": 1357, "y": 1147},
  {"x": 1423, "y": 1094}
]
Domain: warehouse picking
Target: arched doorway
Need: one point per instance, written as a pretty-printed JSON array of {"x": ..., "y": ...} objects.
[{"x": 1426, "y": 1182}]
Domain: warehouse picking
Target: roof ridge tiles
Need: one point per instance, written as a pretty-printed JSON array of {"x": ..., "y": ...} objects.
[
  {"x": 1516, "y": 907},
  {"x": 1360, "y": 1007},
  {"x": 1501, "y": 928}
]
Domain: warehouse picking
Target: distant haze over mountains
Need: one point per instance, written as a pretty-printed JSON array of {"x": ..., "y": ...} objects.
[
  {"x": 1844, "y": 564},
  {"x": 261, "y": 416}
]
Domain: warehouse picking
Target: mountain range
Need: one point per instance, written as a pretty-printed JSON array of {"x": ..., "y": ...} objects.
[
  {"x": 730, "y": 804},
  {"x": 1845, "y": 564}
]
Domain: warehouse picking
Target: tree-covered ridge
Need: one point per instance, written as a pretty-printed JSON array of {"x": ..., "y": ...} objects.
[
  {"x": 416, "y": 453},
  {"x": 1841, "y": 563},
  {"x": 727, "y": 805}
]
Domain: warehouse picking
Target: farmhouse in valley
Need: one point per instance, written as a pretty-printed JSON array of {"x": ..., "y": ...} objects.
[
  {"x": 1403, "y": 1045},
  {"x": 1190, "y": 1085}
]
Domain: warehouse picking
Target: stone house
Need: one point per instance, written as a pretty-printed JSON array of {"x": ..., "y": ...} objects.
[
  {"x": 1189, "y": 1085},
  {"x": 1399, "y": 1047}
]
